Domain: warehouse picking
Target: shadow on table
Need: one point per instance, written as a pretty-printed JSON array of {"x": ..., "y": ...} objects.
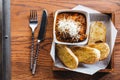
[{"x": 68, "y": 75}]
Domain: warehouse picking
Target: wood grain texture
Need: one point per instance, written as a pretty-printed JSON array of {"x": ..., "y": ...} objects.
[{"x": 21, "y": 39}]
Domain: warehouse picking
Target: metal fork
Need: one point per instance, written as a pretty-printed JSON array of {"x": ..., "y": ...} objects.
[{"x": 33, "y": 22}]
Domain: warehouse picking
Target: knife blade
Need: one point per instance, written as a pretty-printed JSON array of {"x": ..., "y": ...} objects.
[{"x": 40, "y": 38}]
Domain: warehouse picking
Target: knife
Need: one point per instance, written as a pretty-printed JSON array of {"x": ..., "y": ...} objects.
[{"x": 40, "y": 38}]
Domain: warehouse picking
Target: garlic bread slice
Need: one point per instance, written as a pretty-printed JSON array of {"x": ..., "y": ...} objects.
[
  {"x": 86, "y": 55},
  {"x": 66, "y": 56},
  {"x": 103, "y": 48},
  {"x": 97, "y": 32}
]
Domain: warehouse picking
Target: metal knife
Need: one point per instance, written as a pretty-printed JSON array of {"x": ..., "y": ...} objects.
[{"x": 40, "y": 38}]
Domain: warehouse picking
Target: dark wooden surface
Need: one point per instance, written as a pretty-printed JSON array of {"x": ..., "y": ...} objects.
[{"x": 21, "y": 39}]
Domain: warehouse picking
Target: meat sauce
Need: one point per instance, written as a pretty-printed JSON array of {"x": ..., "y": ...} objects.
[{"x": 71, "y": 27}]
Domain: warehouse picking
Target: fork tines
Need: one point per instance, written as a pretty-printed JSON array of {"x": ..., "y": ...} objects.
[{"x": 33, "y": 15}]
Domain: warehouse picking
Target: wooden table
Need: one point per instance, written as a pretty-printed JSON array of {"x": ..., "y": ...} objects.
[{"x": 21, "y": 39}]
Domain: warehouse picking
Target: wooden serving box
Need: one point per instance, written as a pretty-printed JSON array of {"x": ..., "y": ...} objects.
[{"x": 110, "y": 67}]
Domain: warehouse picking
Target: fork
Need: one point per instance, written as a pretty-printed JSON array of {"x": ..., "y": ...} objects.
[{"x": 33, "y": 22}]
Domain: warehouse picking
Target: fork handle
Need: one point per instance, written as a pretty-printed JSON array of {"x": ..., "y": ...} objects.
[
  {"x": 32, "y": 52},
  {"x": 35, "y": 58},
  {"x": 34, "y": 66}
]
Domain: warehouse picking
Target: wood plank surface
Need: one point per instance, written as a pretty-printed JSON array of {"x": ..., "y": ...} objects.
[{"x": 21, "y": 39}]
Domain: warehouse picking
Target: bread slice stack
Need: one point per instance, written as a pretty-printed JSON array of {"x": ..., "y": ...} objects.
[
  {"x": 71, "y": 57},
  {"x": 90, "y": 54}
]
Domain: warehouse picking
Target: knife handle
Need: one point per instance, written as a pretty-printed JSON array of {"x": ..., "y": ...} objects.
[
  {"x": 35, "y": 59},
  {"x": 32, "y": 52}
]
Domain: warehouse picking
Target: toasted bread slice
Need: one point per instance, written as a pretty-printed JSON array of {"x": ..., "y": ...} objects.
[
  {"x": 67, "y": 56},
  {"x": 97, "y": 32},
  {"x": 103, "y": 48},
  {"x": 86, "y": 55}
]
